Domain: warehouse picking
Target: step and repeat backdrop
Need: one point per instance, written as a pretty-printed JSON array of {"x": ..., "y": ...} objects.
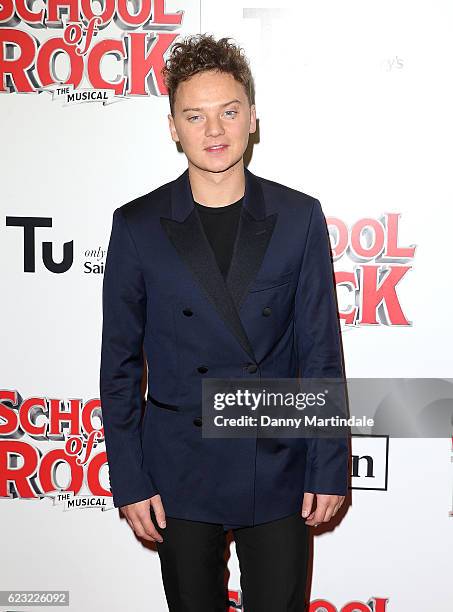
[{"x": 354, "y": 104}]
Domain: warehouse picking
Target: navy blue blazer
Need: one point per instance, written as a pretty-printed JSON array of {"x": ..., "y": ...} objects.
[{"x": 274, "y": 316}]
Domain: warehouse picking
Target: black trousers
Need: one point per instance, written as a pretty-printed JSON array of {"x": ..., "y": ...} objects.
[{"x": 272, "y": 561}]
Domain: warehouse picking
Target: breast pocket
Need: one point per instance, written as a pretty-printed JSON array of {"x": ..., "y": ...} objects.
[{"x": 268, "y": 282}]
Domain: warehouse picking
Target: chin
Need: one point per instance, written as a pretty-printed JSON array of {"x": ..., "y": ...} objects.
[{"x": 215, "y": 165}]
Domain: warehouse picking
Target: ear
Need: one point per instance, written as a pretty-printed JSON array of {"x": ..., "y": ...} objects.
[
  {"x": 171, "y": 125},
  {"x": 252, "y": 119}
]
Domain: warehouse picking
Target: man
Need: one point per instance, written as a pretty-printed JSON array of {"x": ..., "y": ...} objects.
[{"x": 221, "y": 274}]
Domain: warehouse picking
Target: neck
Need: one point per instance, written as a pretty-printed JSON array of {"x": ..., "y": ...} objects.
[{"x": 217, "y": 188}]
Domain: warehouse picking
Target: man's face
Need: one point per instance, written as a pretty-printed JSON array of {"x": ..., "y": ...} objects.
[{"x": 211, "y": 108}]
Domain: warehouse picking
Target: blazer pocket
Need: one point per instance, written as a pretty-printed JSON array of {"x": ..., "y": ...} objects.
[
  {"x": 163, "y": 405},
  {"x": 261, "y": 284}
]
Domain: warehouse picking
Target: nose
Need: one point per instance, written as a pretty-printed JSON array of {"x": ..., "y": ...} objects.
[{"x": 214, "y": 127}]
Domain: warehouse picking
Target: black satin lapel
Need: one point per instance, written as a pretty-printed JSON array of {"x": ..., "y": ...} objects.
[
  {"x": 193, "y": 247},
  {"x": 250, "y": 247}
]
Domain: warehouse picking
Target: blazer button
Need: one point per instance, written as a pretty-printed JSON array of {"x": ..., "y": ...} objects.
[
  {"x": 267, "y": 311},
  {"x": 197, "y": 421},
  {"x": 188, "y": 312},
  {"x": 202, "y": 369},
  {"x": 252, "y": 368}
]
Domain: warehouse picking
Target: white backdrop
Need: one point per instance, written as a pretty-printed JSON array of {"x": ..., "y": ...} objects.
[{"x": 354, "y": 104}]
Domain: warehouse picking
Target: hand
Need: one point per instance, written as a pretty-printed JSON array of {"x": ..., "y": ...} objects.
[
  {"x": 138, "y": 516},
  {"x": 326, "y": 507}
]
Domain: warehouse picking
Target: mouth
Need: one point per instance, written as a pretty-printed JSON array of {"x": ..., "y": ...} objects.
[{"x": 217, "y": 148}]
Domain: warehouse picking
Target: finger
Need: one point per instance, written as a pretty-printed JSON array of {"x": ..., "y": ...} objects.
[
  {"x": 139, "y": 516},
  {"x": 307, "y": 504},
  {"x": 158, "y": 510},
  {"x": 318, "y": 516},
  {"x": 144, "y": 518},
  {"x": 312, "y": 518},
  {"x": 331, "y": 508},
  {"x": 329, "y": 512},
  {"x": 140, "y": 531},
  {"x": 337, "y": 507},
  {"x": 124, "y": 512},
  {"x": 335, "y": 510}
]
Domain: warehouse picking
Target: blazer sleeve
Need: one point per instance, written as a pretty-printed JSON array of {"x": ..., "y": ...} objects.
[
  {"x": 121, "y": 366},
  {"x": 318, "y": 346}
]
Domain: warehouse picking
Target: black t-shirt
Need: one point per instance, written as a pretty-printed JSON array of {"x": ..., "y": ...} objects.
[{"x": 220, "y": 225}]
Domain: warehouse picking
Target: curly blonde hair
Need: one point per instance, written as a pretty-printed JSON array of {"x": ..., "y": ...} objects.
[{"x": 201, "y": 52}]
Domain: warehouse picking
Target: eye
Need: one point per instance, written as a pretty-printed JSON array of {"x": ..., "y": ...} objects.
[
  {"x": 231, "y": 111},
  {"x": 193, "y": 117}
]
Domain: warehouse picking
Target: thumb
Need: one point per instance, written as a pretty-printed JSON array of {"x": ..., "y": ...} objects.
[
  {"x": 307, "y": 504},
  {"x": 159, "y": 511}
]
